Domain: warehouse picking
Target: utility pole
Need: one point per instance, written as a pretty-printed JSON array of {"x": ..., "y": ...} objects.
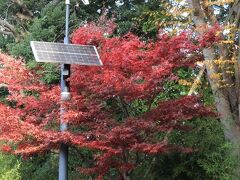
[
  {"x": 58, "y": 53},
  {"x": 65, "y": 96}
]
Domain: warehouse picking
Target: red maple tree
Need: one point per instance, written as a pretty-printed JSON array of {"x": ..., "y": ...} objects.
[{"x": 101, "y": 114}]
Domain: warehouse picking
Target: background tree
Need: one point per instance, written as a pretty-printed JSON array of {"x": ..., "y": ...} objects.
[
  {"x": 45, "y": 21},
  {"x": 118, "y": 143},
  {"x": 221, "y": 59},
  {"x": 10, "y": 167},
  {"x": 142, "y": 19}
]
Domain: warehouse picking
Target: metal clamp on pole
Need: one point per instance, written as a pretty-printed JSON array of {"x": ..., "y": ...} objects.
[{"x": 65, "y": 96}]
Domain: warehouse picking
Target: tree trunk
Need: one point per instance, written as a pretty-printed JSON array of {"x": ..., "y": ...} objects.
[
  {"x": 226, "y": 98},
  {"x": 9, "y": 29},
  {"x": 231, "y": 128},
  {"x": 126, "y": 176}
]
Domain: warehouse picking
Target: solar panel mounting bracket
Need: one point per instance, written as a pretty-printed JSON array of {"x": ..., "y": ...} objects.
[{"x": 65, "y": 72}]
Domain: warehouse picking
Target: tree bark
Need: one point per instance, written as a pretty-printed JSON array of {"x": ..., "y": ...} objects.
[
  {"x": 231, "y": 129},
  {"x": 226, "y": 99},
  {"x": 9, "y": 29},
  {"x": 25, "y": 12},
  {"x": 125, "y": 176}
]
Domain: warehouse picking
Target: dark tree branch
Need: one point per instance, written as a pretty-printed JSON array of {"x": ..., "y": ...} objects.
[
  {"x": 124, "y": 107},
  {"x": 6, "y": 33},
  {"x": 231, "y": 11},
  {"x": 24, "y": 9},
  {"x": 9, "y": 29},
  {"x": 7, "y": 25}
]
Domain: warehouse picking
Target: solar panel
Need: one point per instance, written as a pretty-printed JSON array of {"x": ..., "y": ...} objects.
[{"x": 65, "y": 53}]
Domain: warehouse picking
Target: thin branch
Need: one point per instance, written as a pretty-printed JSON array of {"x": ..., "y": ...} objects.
[
  {"x": 6, "y": 16},
  {"x": 237, "y": 19},
  {"x": 124, "y": 106},
  {"x": 7, "y": 25},
  {"x": 231, "y": 12},
  {"x": 196, "y": 81},
  {"x": 9, "y": 29},
  {"x": 150, "y": 103},
  {"x": 165, "y": 139},
  {"x": 6, "y": 33}
]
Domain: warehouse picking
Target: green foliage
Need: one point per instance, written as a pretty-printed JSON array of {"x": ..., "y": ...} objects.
[
  {"x": 36, "y": 6},
  {"x": 152, "y": 16},
  {"x": 4, "y": 40},
  {"x": 210, "y": 159},
  {"x": 84, "y": 159},
  {"x": 217, "y": 165},
  {"x": 21, "y": 49},
  {"x": 49, "y": 26},
  {"x": 9, "y": 167},
  {"x": 3, "y": 93},
  {"x": 124, "y": 27},
  {"x": 51, "y": 73},
  {"x": 143, "y": 19},
  {"x": 38, "y": 167}
]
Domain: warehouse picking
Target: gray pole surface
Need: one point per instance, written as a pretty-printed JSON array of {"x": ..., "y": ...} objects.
[{"x": 65, "y": 96}]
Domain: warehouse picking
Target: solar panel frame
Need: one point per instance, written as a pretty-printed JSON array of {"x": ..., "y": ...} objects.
[{"x": 65, "y": 53}]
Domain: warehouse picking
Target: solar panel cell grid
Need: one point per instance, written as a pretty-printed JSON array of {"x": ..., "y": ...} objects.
[
  {"x": 65, "y": 53},
  {"x": 42, "y": 46}
]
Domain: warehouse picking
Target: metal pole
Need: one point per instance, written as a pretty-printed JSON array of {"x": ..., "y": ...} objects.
[{"x": 65, "y": 96}]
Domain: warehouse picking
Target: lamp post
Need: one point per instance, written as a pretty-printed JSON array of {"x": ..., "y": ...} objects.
[
  {"x": 60, "y": 53},
  {"x": 65, "y": 96}
]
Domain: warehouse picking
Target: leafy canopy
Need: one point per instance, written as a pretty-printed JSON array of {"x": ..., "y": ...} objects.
[{"x": 133, "y": 70}]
